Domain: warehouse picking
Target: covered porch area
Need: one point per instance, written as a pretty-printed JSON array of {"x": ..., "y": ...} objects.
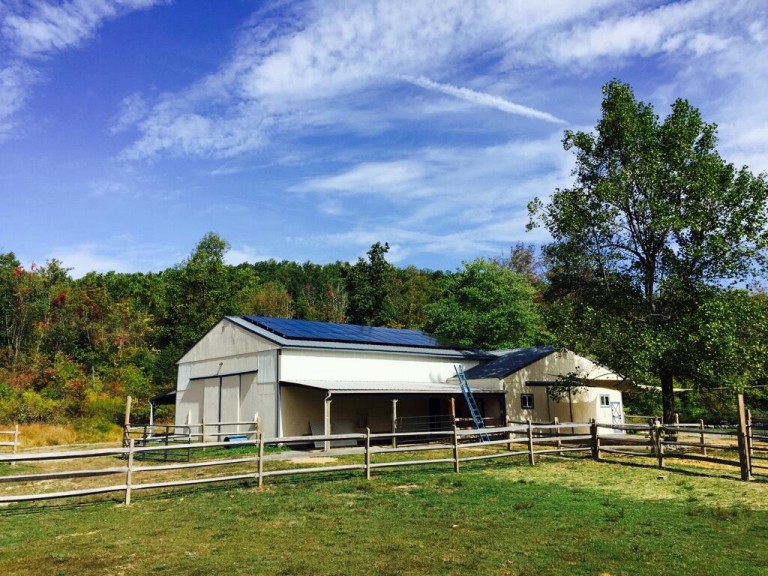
[{"x": 323, "y": 408}]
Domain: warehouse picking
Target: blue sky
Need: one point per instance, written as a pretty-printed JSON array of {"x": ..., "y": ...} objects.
[{"x": 310, "y": 130}]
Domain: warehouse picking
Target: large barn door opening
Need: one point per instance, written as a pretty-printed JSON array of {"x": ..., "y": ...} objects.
[
  {"x": 211, "y": 392},
  {"x": 230, "y": 404}
]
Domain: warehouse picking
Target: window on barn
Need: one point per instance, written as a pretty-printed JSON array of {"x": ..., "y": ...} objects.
[
  {"x": 526, "y": 401},
  {"x": 605, "y": 400}
]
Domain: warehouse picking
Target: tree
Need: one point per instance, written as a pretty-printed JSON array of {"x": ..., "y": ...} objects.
[
  {"x": 655, "y": 226},
  {"x": 413, "y": 289},
  {"x": 566, "y": 387},
  {"x": 487, "y": 306},
  {"x": 197, "y": 294},
  {"x": 273, "y": 300},
  {"x": 369, "y": 285}
]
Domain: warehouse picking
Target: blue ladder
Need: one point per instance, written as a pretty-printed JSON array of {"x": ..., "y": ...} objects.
[{"x": 470, "y": 398}]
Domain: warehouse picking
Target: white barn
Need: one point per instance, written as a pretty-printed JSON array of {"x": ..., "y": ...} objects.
[{"x": 301, "y": 377}]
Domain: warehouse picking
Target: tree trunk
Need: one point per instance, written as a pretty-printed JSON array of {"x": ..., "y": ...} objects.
[{"x": 668, "y": 396}]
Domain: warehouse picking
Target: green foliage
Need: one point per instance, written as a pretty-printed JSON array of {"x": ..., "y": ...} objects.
[
  {"x": 369, "y": 284},
  {"x": 646, "y": 242},
  {"x": 487, "y": 306}
]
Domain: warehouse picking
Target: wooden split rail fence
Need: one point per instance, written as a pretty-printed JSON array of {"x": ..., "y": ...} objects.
[
  {"x": 457, "y": 447},
  {"x": 748, "y": 446}
]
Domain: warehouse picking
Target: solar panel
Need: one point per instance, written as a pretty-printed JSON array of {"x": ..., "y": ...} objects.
[{"x": 331, "y": 332}]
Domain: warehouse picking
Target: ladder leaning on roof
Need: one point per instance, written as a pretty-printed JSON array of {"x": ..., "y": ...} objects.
[{"x": 470, "y": 398}]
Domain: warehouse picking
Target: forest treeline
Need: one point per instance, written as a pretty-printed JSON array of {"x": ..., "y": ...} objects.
[{"x": 75, "y": 348}]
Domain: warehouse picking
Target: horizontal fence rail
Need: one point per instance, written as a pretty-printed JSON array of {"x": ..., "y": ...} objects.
[
  {"x": 135, "y": 467},
  {"x": 139, "y": 471}
]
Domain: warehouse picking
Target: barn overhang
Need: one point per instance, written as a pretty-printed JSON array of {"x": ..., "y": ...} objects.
[{"x": 335, "y": 387}]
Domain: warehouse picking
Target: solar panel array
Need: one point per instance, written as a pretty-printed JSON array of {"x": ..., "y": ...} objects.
[{"x": 351, "y": 333}]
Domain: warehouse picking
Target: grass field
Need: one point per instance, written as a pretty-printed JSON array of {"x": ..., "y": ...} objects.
[{"x": 559, "y": 517}]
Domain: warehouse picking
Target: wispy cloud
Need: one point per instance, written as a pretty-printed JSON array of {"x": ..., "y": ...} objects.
[
  {"x": 689, "y": 28},
  {"x": 293, "y": 71},
  {"x": 31, "y": 31},
  {"x": 15, "y": 81},
  {"x": 371, "y": 178},
  {"x": 483, "y": 99},
  {"x": 449, "y": 201},
  {"x": 44, "y": 27},
  {"x": 118, "y": 254}
]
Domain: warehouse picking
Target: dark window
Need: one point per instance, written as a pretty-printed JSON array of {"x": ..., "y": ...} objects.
[
  {"x": 605, "y": 400},
  {"x": 526, "y": 401}
]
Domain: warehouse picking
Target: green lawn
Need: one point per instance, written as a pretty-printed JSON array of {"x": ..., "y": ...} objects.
[{"x": 559, "y": 517}]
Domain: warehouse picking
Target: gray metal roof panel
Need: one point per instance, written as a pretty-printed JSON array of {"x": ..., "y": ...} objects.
[{"x": 511, "y": 361}]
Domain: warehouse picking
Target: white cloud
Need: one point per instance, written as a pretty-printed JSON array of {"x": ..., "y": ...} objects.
[
  {"x": 15, "y": 82},
  {"x": 30, "y": 31},
  {"x": 371, "y": 178},
  {"x": 46, "y": 27},
  {"x": 118, "y": 254},
  {"x": 246, "y": 254},
  {"x": 453, "y": 202},
  {"x": 291, "y": 72},
  {"x": 484, "y": 99}
]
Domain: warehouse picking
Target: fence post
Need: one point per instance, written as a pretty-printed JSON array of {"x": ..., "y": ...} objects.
[
  {"x": 750, "y": 432},
  {"x": 367, "y": 453},
  {"x": 744, "y": 459},
  {"x": 455, "y": 448},
  {"x": 129, "y": 473},
  {"x": 510, "y": 434},
  {"x": 261, "y": 461},
  {"x": 202, "y": 432},
  {"x": 595, "y": 439},
  {"x": 701, "y": 436},
  {"x": 530, "y": 442},
  {"x": 659, "y": 442},
  {"x": 557, "y": 433},
  {"x": 127, "y": 422},
  {"x": 15, "y": 441},
  {"x": 652, "y": 435}
]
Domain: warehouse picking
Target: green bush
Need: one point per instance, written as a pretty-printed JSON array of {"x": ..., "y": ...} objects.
[{"x": 29, "y": 407}]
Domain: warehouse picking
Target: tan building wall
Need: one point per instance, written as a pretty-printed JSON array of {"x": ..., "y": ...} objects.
[{"x": 586, "y": 403}]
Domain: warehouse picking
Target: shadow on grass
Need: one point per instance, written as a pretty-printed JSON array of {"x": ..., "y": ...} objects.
[{"x": 696, "y": 473}]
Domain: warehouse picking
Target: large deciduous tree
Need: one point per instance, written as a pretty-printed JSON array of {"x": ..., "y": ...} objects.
[
  {"x": 487, "y": 306},
  {"x": 655, "y": 230}
]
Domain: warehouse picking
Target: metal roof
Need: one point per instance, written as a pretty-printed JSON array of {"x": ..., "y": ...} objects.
[
  {"x": 359, "y": 387},
  {"x": 291, "y": 333},
  {"x": 511, "y": 361}
]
